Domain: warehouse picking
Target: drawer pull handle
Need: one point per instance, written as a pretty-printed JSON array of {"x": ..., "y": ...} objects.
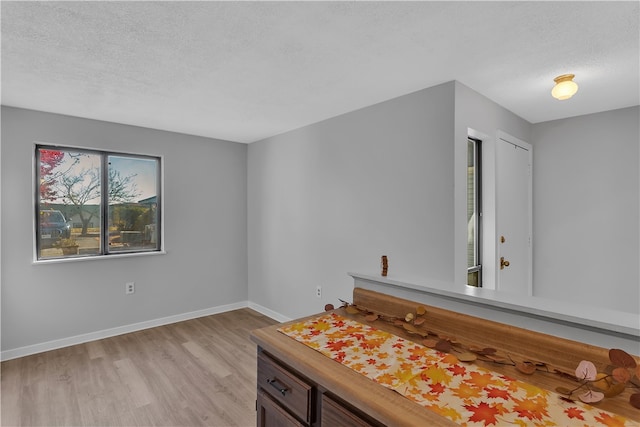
[{"x": 275, "y": 384}]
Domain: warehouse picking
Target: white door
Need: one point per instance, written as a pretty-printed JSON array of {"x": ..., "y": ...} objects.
[{"x": 513, "y": 215}]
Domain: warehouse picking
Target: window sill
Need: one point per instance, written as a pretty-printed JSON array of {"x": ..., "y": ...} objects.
[{"x": 97, "y": 257}]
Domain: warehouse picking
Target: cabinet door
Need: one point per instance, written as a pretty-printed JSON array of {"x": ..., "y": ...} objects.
[
  {"x": 286, "y": 387},
  {"x": 270, "y": 414},
  {"x": 334, "y": 414}
]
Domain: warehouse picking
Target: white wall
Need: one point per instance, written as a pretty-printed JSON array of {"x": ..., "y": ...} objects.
[
  {"x": 478, "y": 116},
  {"x": 205, "y": 221},
  {"x": 332, "y": 197},
  {"x": 335, "y": 196},
  {"x": 586, "y": 207}
]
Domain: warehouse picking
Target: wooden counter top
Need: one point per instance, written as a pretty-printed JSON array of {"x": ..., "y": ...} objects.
[
  {"x": 382, "y": 404},
  {"x": 389, "y": 407}
]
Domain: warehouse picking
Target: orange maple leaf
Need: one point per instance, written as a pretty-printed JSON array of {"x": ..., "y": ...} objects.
[
  {"x": 338, "y": 345},
  {"x": 496, "y": 393},
  {"x": 357, "y": 367},
  {"x": 372, "y": 343},
  {"x": 437, "y": 388},
  {"x": 481, "y": 380},
  {"x": 340, "y": 356},
  {"x": 450, "y": 359},
  {"x": 445, "y": 411},
  {"x": 417, "y": 352},
  {"x": 457, "y": 370},
  {"x": 483, "y": 413},
  {"x": 531, "y": 408},
  {"x": 610, "y": 421},
  {"x": 385, "y": 379},
  {"x": 466, "y": 391},
  {"x": 574, "y": 412}
]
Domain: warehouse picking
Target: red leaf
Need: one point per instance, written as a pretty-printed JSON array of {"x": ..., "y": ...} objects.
[
  {"x": 483, "y": 412},
  {"x": 621, "y": 358},
  {"x": 574, "y": 412},
  {"x": 621, "y": 375}
]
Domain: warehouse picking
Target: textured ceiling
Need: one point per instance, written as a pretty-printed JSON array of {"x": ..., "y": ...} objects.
[{"x": 243, "y": 71}]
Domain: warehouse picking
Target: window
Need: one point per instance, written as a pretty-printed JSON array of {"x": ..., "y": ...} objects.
[
  {"x": 91, "y": 203},
  {"x": 474, "y": 268}
]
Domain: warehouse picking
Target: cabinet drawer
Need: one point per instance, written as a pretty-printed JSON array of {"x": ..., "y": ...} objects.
[
  {"x": 334, "y": 414},
  {"x": 270, "y": 414},
  {"x": 285, "y": 387}
]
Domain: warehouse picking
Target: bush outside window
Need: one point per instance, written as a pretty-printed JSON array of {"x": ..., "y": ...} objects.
[{"x": 92, "y": 203}]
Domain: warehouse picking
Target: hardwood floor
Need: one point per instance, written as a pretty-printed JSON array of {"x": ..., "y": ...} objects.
[{"x": 200, "y": 372}]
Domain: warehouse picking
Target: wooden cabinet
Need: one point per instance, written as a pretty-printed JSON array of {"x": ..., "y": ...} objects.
[
  {"x": 312, "y": 389},
  {"x": 287, "y": 398},
  {"x": 286, "y": 388},
  {"x": 272, "y": 414},
  {"x": 334, "y": 413}
]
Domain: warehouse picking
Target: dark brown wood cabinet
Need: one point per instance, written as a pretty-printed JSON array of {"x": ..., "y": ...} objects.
[
  {"x": 288, "y": 398},
  {"x": 307, "y": 388}
]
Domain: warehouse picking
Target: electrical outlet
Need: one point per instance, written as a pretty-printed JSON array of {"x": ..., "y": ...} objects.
[
  {"x": 129, "y": 288},
  {"x": 319, "y": 291}
]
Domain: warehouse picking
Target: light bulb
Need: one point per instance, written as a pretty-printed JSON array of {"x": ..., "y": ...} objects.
[{"x": 565, "y": 87}]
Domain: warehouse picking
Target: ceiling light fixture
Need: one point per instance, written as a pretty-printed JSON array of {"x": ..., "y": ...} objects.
[{"x": 565, "y": 87}]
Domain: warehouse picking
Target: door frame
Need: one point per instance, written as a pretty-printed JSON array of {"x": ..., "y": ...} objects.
[{"x": 493, "y": 245}]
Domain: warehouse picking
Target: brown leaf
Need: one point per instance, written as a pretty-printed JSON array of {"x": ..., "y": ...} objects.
[
  {"x": 452, "y": 340},
  {"x": 621, "y": 358},
  {"x": 410, "y": 328},
  {"x": 419, "y": 321},
  {"x": 398, "y": 322},
  {"x": 489, "y": 350},
  {"x": 420, "y": 310},
  {"x": 615, "y": 390},
  {"x": 430, "y": 342},
  {"x": 352, "y": 310},
  {"x": 371, "y": 317},
  {"x": 328, "y": 307},
  {"x": 467, "y": 357},
  {"x": 443, "y": 346},
  {"x": 563, "y": 390},
  {"x": 634, "y": 399},
  {"x": 526, "y": 368},
  {"x": 495, "y": 358},
  {"x": 621, "y": 375}
]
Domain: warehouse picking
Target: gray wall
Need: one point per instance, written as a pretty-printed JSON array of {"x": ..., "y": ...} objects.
[
  {"x": 205, "y": 265},
  {"x": 586, "y": 207},
  {"x": 335, "y": 196},
  {"x": 318, "y": 202}
]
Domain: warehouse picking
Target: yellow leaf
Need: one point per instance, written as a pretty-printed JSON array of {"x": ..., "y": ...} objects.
[{"x": 436, "y": 375}]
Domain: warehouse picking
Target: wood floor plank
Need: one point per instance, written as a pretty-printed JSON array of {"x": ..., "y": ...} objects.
[{"x": 200, "y": 372}]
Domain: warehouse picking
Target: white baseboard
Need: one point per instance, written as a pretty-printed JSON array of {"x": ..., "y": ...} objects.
[
  {"x": 106, "y": 333},
  {"x": 269, "y": 313}
]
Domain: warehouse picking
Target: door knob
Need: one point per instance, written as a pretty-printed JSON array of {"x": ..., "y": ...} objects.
[{"x": 503, "y": 263}]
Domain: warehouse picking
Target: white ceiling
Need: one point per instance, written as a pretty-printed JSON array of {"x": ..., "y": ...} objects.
[{"x": 244, "y": 71}]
